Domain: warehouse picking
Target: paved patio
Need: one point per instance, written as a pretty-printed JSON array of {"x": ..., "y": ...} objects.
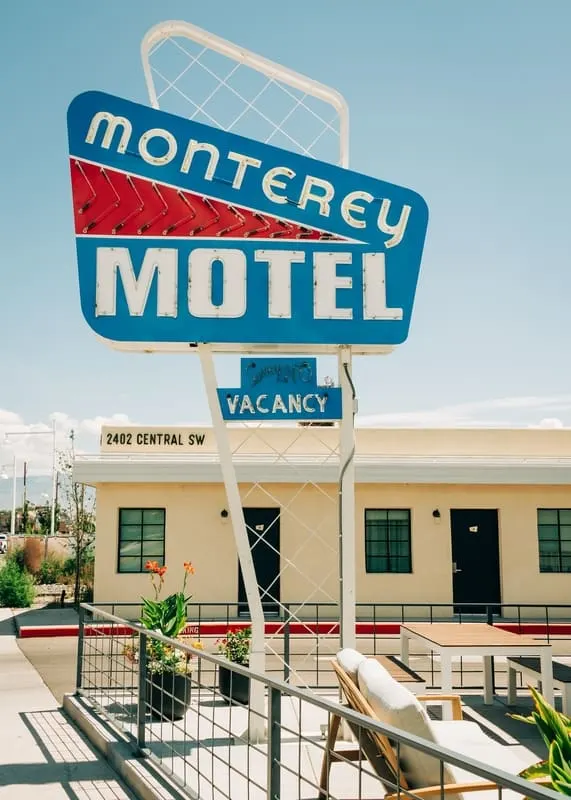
[
  {"x": 208, "y": 749},
  {"x": 42, "y": 755}
]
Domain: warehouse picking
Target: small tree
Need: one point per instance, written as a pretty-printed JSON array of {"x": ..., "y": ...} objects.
[
  {"x": 44, "y": 519},
  {"x": 33, "y": 554},
  {"x": 79, "y": 508}
]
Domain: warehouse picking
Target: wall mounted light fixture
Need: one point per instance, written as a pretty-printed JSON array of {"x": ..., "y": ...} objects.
[
  {"x": 436, "y": 513},
  {"x": 224, "y": 513}
]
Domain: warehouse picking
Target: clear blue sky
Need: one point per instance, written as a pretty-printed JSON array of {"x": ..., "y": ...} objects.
[{"x": 466, "y": 102}]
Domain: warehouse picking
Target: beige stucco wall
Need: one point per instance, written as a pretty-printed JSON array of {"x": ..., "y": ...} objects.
[{"x": 195, "y": 531}]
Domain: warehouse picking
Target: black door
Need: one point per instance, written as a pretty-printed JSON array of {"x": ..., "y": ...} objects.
[
  {"x": 263, "y": 525},
  {"x": 475, "y": 559}
]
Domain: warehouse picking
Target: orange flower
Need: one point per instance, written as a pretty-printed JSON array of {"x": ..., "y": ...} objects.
[
  {"x": 152, "y": 566},
  {"x": 188, "y": 567},
  {"x": 160, "y": 571}
]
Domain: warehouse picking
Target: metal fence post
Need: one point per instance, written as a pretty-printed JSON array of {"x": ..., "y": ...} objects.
[
  {"x": 286, "y": 644},
  {"x": 142, "y": 691},
  {"x": 80, "y": 635},
  {"x": 274, "y": 744},
  {"x": 490, "y": 621}
]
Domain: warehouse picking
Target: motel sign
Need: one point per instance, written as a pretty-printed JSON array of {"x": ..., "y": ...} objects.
[{"x": 188, "y": 233}]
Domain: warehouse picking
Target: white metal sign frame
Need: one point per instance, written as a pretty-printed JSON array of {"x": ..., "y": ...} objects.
[{"x": 153, "y": 40}]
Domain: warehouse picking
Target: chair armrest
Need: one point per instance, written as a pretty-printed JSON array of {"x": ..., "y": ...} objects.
[
  {"x": 456, "y": 788},
  {"x": 454, "y": 699}
]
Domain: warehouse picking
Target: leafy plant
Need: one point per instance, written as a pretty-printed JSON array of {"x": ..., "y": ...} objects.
[
  {"x": 16, "y": 556},
  {"x": 236, "y": 646},
  {"x": 16, "y": 587},
  {"x": 50, "y": 571},
  {"x": 68, "y": 567},
  {"x": 168, "y": 617},
  {"x": 555, "y": 730}
]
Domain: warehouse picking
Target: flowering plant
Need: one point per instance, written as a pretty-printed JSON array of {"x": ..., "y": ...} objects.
[
  {"x": 168, "y": 617},
  {"x": 235, "y": 646}
]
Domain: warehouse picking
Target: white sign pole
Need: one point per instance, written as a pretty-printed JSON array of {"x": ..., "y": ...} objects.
[
  {"x": 256, "y": 718},
  {"x": 347, "y": 577}
]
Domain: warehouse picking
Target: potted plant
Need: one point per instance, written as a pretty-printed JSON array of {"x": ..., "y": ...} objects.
[
  {"x": 555, "y": 729},
  {"x": 168, "y": 668},
  {"x": 235, "y": 647}
]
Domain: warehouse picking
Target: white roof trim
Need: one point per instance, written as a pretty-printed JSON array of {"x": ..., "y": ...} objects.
[{"x": 164, "y": 468}]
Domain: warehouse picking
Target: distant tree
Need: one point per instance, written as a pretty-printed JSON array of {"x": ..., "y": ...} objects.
[
  {"x": 5, "y": 520},
  {"x": 44, "y": 519},
  {"x": 78, "y": 506}
]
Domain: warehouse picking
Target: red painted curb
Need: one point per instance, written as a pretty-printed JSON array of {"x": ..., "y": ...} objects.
[{"x": 275, "y": 628}]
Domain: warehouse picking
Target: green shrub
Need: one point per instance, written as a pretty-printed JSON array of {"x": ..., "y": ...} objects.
[
  {"x": 68, "y": 567},
  {"x": 16, "y": 587},
  {"x": 50, "y": 571},
  {"x": 16, "y": 556}
]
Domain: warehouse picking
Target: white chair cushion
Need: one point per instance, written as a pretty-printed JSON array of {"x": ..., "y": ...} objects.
[
  {"x": 468, "y": 739},
  {"x": 349, "y": 660},
  {"x": 395, "y": 705}
]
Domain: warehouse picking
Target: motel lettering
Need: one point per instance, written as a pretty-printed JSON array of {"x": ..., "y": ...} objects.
[
  {"x": 280, "y": 184},
  {"x": 334, "y": 295}
]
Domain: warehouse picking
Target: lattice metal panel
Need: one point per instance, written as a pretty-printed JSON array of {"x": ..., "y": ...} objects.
[{"x": 194, "y": 74}]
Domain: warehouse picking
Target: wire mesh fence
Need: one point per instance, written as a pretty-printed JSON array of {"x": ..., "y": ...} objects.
[
  {"x": 304, "y": 637},
  {"x": 193, "y": 725}
]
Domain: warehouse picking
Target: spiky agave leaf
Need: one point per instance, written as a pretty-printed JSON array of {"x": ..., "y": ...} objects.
[{"x": 539, "y": 770}]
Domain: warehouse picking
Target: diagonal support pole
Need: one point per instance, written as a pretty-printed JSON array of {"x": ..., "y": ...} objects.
[
  {"x": 256, "y": 726},
  {"x": 347, "y": 578}
]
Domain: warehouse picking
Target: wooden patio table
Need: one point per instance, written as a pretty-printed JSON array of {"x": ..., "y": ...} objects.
[{"x": 453, "y": 639}]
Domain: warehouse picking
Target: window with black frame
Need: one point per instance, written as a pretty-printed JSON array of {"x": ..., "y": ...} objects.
[
  {"x": 387, "y": 540},
  {"x": 554, "y": 534},
  {"x": 141, "y": 538}
]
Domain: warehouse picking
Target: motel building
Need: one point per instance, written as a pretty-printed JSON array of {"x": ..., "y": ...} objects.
[{"x": 441, "y": 516}]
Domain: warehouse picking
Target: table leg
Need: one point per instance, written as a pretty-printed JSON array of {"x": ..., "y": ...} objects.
[
  {"x": 446, "y": 682},
  {"x": 512, "y": 686},
  {"x": 404, "y": 648},
  {"x": 488, "y": 681},
  {"x": 547, "y": 673}
]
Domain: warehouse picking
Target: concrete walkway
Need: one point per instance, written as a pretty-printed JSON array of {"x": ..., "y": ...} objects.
[{"x": 42, "y": 755}]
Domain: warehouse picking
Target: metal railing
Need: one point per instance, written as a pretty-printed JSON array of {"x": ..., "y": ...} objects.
[
  {"x": 302, "y": 637},
  {"x": 197, "y": 730}
]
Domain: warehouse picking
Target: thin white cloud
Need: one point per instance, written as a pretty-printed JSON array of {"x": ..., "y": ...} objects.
[
  {"x": 32, "y": 442},
  {"x": 93, "y": 426},
  {"x": 521, "y": 411},
  {"x": 549, "y": 422}
]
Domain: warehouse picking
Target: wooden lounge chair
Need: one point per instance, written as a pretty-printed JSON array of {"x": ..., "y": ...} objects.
[{"x": 376, "y": 748}]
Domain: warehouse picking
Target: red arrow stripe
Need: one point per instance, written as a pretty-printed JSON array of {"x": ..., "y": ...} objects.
[{"x": 107, "y": 202}]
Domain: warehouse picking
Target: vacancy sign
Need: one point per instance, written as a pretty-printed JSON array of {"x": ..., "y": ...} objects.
[
  {"x": 280, "y": 389},
  {"x": 187, "y": 233}
]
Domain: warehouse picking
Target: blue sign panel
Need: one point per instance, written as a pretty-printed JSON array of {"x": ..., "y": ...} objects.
[
  {"x": 187, "y": 233},
  {"x": 280, "y": 389}
]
